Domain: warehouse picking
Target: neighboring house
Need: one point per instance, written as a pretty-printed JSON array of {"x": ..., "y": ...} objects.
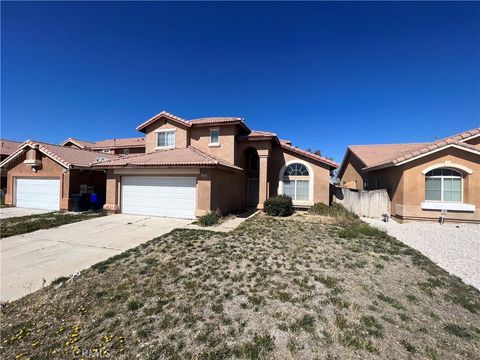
[
  {"x": 110, "y": 146},
  {"x": 47, "y": 176},
  {"x": 422, "y": 179},
  {"x": 7, "y": 147},
  {"x": 191, "y": 167}
]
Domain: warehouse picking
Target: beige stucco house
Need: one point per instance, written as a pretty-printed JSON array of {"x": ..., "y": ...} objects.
[
  {"x": 181, "y": 168},
  {"x": 422, "y": 179},
  {"x": 191, "y": 167}
]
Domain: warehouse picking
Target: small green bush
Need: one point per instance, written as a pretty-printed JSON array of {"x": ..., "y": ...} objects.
[
  {"x": 278, "y": 206},
  {"x": 336, "y": 210},
  {"x": 208, "y": 219}
]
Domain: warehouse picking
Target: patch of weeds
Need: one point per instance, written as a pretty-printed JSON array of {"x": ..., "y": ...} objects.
[
  {"x": 305, "y": 323},
  {"x": 328, "y": 281},
  {"x": 408, "y": 346},
  {"x": 394, "y": 303},
  {"x": 372, "y": 326},
  {"x": 134, "y": 305},
  {"x": 293, "y": 345},
  {"x": 458, "y": 331},
  {"x": 431, "y": 353},
  {"x": 60, "y": 280},
  {"x": 109, "y": 314},
  {"x": 258, "y": 348},
  {"x": 284, "y": 296}
]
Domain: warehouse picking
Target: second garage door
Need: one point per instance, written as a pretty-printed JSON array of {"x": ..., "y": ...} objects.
[
  {"x": 38, "y": 193},
  {"x": 159, "y": 196}
]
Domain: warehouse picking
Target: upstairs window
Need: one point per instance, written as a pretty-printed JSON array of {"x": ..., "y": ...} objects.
[
  {"x": 166, "y": 139},
  {"x": 214, "y": 136},
  {"x": 443, "y": 185}
]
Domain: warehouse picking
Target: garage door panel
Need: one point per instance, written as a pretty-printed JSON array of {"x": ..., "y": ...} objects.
[
  {"x": 38, "y": 193},
  {"x": 159, "y": 196}
]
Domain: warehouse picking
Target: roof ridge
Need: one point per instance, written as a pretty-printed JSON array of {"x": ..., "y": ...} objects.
[
  {"x": 205, "y": 155},
  {"x": 419, "y": 143},
  {"x": 318, "y": 157}
]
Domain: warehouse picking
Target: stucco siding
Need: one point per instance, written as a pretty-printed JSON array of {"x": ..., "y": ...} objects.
[
  {"x": 200, "y": 139},
  {"x": 351, "y": 177},
  {"x": 181, "y": 134}
]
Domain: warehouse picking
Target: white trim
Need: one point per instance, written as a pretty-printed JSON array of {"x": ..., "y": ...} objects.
[
  {"x": 470, "y": 137},
  {"x": 311, "y": 177},
  {"x": 165, "y": 130},
  {"x": 440, "y": 205},
  {"x": 436, "y": 150},
  {"x": 442, "y": 177},
  {"x": 448, "y": 164},
  {"x": 216, "y": 144},
  {"x": 156, "y": 171}
]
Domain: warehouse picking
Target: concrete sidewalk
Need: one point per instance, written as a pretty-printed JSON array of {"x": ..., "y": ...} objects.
[{"x": 30, "y": 260}]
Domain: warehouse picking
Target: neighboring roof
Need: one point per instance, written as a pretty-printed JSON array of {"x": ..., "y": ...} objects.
[
  {"x": 184, "y": 157},
  {"x": 259, "y": 133},
  {"x": 64, "y": 155},
  {"x": 424, "y": 150},
  {"x": 371, "y": 155},
  {"x": 80, "y": 143},
  {"x": 8, "y": 147},
  {"x": 164, "y": 114},
  {"x": 465, "y": 135},
  {"x": 119, "y": 143},
  {"x": 308, "y": 154},
  {"x": 386, "y": 155}
]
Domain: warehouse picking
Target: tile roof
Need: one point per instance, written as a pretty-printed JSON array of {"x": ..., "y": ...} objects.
[
  {"x": 372, "y": 155},
  {"x": 80, "y": 143},
  {"x": 183, "y": 157},
  {"x": 308, "y": 154},
  {"x": 216, "y": 120},
  {"x": 67, "y": 156},
  {"x": 119, "y": 143},
  {"x": 165, "y": 114},
  {"x": 8, "y": 147},
  {"x": 375, "y": 156},
  {"x": 465, "y": 135},
  {"x": 259, "y": 133}
]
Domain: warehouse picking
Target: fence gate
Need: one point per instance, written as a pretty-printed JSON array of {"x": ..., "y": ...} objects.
[{"x": 371, "y": 204}]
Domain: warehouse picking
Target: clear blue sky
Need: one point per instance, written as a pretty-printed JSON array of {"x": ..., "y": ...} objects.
[{"x": 324, "y": 75}]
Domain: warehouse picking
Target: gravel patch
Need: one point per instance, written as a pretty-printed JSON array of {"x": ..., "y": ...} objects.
[{"x": 454, "y": 247}]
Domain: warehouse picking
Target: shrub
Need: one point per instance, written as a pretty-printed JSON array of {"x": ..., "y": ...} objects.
[
  {"x": 278, "y": 206},
  {"x": 208, "y": 219},
  {"x": 336, "y": 210}
]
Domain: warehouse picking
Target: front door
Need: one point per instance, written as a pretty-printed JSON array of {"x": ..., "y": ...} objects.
[{"x": 252, "y": 192}]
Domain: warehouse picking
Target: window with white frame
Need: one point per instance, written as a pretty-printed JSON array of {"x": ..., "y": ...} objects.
[
  {"x": 296, "y": 182},
  {"x": 443, "y": 185},
  {"x": 106, "y": 151},
  {"x": 166, "y": 139},
  {"x": 214, "y": 136},
  {"x": 126, "y": 152}
]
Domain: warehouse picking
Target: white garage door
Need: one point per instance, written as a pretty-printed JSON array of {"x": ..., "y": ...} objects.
[
  {"x": 38, "y": 193},
  {"x": 159, "y": 196}
]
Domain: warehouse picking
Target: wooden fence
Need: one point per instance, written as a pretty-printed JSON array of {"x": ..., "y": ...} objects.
[{"x": 371, "y": 204}]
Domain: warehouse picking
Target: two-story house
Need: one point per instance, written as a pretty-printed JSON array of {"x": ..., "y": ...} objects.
[{"x": 191, "y": 167}]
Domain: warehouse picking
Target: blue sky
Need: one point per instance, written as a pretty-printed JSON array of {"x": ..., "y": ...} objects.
[{"x": 324, "y": 75}]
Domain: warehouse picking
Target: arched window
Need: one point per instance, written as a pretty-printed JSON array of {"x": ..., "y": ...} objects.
[
  {"x": 296, "y": 182},
  {"x": 443, "y": 184}
]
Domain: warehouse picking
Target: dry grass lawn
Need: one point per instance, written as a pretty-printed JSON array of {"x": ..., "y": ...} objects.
[{"x": 302, "y": 287}]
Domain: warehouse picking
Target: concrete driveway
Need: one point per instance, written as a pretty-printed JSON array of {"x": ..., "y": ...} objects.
[
  {"x": 26, "y": 260},
  {"x": 9, "y": 212}
]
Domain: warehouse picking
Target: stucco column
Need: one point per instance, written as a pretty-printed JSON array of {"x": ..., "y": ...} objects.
[
  {"x": 204, "y": 192},
  {"x": 65, "y": 188},
  {"x": 262, "y": 177},
  {"x": 112, "y": 198}
]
